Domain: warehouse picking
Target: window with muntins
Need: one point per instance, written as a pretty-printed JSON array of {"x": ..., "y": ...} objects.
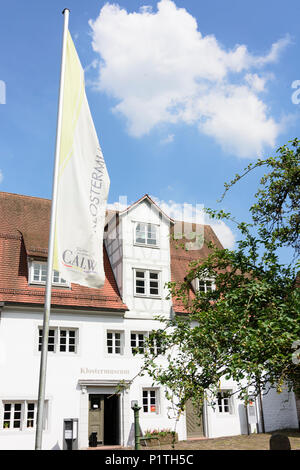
[
  {"x": 146, "y": 283},
  {"x": 150, "y": 401},
  {"x": 224, "y": 402},
  {"x": 154, "y": 345},
  {"x": 38, "y": 275},
  {"x": 114, "y": 342},
  {"x": 146, "y": 234},
  {"x": 67, "y": 340},
  {"x": 137, "y": 342},
  {"x": 51, "y": 339},
  {"x": 64, "y": 340},
  {"x": 206, "y": 285},
  {"x": 19, "y": 414}
]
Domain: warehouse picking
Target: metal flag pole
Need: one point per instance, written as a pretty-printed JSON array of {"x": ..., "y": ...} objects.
[{"x": 43, "y": 363}]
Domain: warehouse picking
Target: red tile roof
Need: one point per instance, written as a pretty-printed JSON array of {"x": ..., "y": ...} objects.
[{"x": 24, "y": 231}]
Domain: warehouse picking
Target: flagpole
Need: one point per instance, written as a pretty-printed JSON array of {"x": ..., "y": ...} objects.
[{"x": 47, "y": 307}]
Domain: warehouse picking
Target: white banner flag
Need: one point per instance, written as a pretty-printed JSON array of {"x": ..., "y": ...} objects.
[{"x": 83, "y": 185}]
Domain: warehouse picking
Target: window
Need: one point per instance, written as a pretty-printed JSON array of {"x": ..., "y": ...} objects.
[
  {"x": 114, "y": 342},
  {"x": 20, "y": 415},
  {"x": 67, "y": 340},
  {"x": 31, "y": 415},
  {"x": 51, "y": 339},
  {"x": 12, "y": 415},
  {"x": 206, "y": 285},
  {"x": 146, "y": 234},
  {"x": 155, "y": 346},
  {"x": 224, "y": 401},
  {"x": 146, "y": 283},
  {"x": 150, "y": 400},
  {"x": 38, "y": 275},
  {"x": 60, "y": 340},
  {"x": 137, "y": 341}
]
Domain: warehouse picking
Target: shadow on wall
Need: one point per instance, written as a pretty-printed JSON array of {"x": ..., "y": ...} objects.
[
  {"x": 130, "y": 441},
  {"x": 56, "y": 447}
]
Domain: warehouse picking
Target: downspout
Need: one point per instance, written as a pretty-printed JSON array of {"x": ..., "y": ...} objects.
[
  {"x": 261, "y": 411},
  {"x": 206, "y": 419}
]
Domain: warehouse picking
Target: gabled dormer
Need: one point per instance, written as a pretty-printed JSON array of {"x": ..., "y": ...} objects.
[{"x": 137, "y": 239}]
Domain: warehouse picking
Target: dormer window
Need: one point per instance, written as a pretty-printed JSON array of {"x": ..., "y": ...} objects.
[
  {"x": 204, "y": 285},
  {"x": 146, "y": 234},
  {"x": 38, "y": 275}
]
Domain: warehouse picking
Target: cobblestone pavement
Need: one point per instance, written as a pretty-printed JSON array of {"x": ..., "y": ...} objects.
[{"x": 244, "y": 442}]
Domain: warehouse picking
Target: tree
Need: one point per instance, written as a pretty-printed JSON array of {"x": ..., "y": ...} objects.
[
  {"x": 277, "y": 209},
  {"x": 246, "y": 327}
]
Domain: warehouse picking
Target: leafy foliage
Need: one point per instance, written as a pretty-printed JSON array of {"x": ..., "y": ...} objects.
[
  {"x": 277, "y": 209},
  {"x": 245, "y": 328}
]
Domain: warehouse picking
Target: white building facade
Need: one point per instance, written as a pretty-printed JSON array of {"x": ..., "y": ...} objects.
[{"x": 92, "y": 338}]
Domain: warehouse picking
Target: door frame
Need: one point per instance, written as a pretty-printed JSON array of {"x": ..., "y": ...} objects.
[
  {"x": 101, "y": 387},
  {"x": 203, "y": 420}
]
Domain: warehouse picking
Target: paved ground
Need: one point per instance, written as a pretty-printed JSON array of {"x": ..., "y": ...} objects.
[{"x": 244, "y": 442}]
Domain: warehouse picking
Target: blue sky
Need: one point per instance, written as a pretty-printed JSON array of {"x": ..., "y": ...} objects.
[{"x": 183, "y": 94}]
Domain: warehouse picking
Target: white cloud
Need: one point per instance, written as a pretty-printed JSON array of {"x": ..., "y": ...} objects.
[
  {"x": 238, "y": 120},
  {"x": 255, "y": 82},
  {"x": 161, "y": 69},
  {"x": 168, "y": 139},
  {"x": 93, "y": 65},
  {"x": 1, "y": 176},
  {"x": 223, "y": 232}
]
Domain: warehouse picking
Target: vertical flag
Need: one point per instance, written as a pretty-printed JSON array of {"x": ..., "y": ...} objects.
[{"x": 82, "y": 186}]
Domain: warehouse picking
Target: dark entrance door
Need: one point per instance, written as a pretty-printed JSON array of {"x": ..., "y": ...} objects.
[
  {"x": 104, "y": 418},
  {"x": 112, "y": 420},
  {"x": 96, "y": 417},
  {"x": 194, "y": 423}
]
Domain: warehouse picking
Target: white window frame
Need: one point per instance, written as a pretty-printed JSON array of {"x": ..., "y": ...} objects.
[
  {"x": 147, "y": 244},
  {"x": 12, "y": 412},
  {"x": 57, "y": 339},
  {"x": 156, "y": 347},
  {"x": 26, "y": 417},
  {"x": 114, "y": 345},
  {"x": 68, "y": 345},
  {"x": 33, "y": 263},
  {"x": 205, "y": 280},
  {"x": 23, "y": 415},
  {"x": 225, "y": 402},
  {"x": 40, "y": 339},
  {"x": 146, "y": 401},
  {"x": 146, "y": 335},
  {"x": 147, "y": 281}
]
